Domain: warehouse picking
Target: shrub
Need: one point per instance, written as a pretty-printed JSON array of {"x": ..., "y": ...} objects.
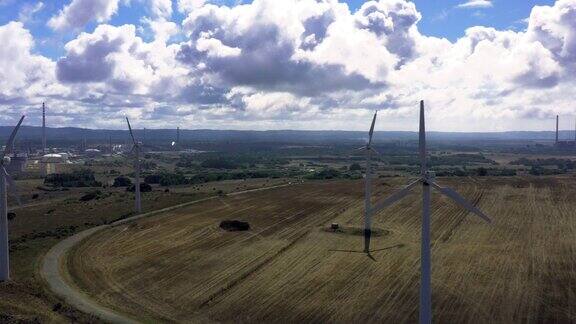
[
  {"x": 355, "y": 167},
  {"x": 172, "y": 179},
  {"x": 11, "y": 215},
  {"x": 152, "y": 178},
  {"x": 144, "y": 187},
  {"x": 91, "y": 195},
  {"x": 122, "y": 181},
  {"x": 482, "y": 172},
  {"x": 81, "y": 178},
  {"x": 325, "y": 174}
]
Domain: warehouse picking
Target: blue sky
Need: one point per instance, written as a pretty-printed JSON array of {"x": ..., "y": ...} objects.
[{"x": 439, "y": 18}]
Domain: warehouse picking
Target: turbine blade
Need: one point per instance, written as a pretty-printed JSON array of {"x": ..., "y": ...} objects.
[
  {"x": 395, "y": 197},
  {"x": 10, "y": 143},
  {"x": 422, "y": 140},
  {"x": 130, "y": 129},
  {"x": 450, "y": 193},
  {"x": 374, "y": 150},
  {"x": 372, "y": 129},
  {"x": 12, "y": 186}
]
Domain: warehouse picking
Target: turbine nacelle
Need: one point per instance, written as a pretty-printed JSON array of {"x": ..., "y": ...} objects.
[{"x": 429, "y": 177}]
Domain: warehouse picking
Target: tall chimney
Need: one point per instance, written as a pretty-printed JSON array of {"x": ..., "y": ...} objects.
[
  {"x": 556, "y": 129},
  {"x": 43, "y": 128},
  {"x": 177, "y": 135}
]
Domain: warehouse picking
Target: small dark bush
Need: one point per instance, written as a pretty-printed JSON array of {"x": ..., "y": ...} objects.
[
  {"x": 166, "y": 190},
  {"x": 122, "y": 181},
  {"x": 35, "y": 196},
  {"x": 144, "y": 187},
  {"x": 11, "y": 215},
  {"x": 234, "y": 225},
  {"x": 91, "y": 195},
  {"x": 355, "y": 167},
  {"x": 152, "y": 178},
  {"x": 57, "y": 307},
  {"x": 81, "y": 178}
]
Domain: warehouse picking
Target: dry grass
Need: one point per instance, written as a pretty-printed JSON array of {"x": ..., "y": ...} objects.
[
  {"x": 54, "y": 215},
  {"x": 181, "y": 267}
]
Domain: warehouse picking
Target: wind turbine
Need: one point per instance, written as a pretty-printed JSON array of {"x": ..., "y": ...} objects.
[
  {"x": 5, "y": 178},
  {"x": 368, "y": 187},
  {"x": 176, "y": 143},
  {"x": 426, "y": 180},
  {"x": 136, "y": 150}
]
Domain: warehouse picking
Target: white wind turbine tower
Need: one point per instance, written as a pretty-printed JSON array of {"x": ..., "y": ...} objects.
[
  {"x": 136, "y": 150},
  {"x": 368, "y": 187},
  {"x": 5, "y": 178},
  {"x": 426, "y": 180}
]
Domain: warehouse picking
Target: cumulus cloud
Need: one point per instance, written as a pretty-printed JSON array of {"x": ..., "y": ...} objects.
[
  {"x": 395, "y": 21},
  {"x": 22, "y": 73},
  {"x": 186, "y": 6},
  {"x": 115, "y": 60},
  {"x": 161, "y": 8},
  {"x": 79, "y": 12},
  {"x": 291, "y": 63},
  {"x": 271, "y": 45}
]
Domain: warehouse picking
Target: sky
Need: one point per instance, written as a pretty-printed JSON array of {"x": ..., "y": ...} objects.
[{"x": 480, "y": 65}]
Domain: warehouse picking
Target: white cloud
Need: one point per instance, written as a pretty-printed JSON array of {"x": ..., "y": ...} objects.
[
  {"x": 28, "y": 11},
  {"x": 114, "y": 59},
  {"x": 79, "y": 12},
  {"x": 187, "y": 6},
  {"x": 476, "y": 4},
  {"x": 161, "y": 8},
  {"x": 302, "y": 64},
  {"x": 23, "y": 74}
]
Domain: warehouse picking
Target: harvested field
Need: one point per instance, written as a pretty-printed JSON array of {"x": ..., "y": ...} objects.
[{"x": 180, "y": 266}]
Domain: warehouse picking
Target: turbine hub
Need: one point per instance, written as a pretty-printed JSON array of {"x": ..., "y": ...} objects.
[{"x": 430, "y": 175}]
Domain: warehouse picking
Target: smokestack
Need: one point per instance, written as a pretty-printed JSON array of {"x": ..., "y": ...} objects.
[
  {"x": 43, "y": 128},
  {"x": 177, "y": 135},
  {"x": 556, "y": 129}
]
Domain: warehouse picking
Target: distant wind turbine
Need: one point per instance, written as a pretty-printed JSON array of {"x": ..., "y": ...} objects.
[
  {"x": 5, "y": 178},
  {"x": 427, "y": 180},
  {"x": 136, "y": 149},
  {"x": 368, "y": 187}
]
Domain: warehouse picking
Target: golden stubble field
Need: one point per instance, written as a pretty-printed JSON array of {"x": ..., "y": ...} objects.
[{"x": 289, "y": 268}]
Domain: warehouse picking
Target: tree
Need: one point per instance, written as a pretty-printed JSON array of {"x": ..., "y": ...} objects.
[
  {"x": 80, "y": 178},
  {"x": 144, "y": 187},
  {"x": 355, "y": 167},
  {"x": 122, "y": 181},
  {"x": 482, "y": 172}
]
